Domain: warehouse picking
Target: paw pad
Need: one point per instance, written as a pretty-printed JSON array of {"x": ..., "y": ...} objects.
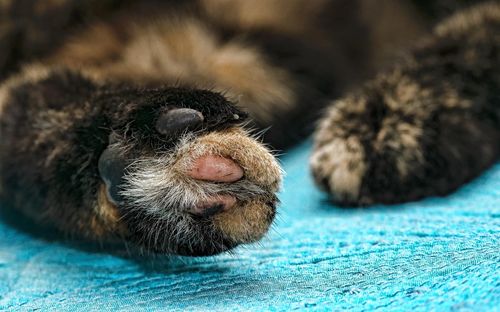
[{"x": 177, "y": 120}]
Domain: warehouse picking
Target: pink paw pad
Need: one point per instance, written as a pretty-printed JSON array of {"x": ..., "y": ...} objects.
[{"x": 216, "y": 169}]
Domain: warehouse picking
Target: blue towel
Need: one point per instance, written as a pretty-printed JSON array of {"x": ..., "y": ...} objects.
[{"x": 435, "y": 254}]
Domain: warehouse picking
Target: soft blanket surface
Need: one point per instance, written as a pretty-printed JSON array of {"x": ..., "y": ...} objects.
[{"x": 435, "y": 254}]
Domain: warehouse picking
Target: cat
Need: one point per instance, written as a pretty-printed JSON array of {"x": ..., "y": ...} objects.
[{"x": 140, "y": 125}]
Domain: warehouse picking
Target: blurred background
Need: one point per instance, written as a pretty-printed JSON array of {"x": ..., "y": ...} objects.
[{"x": 30, "y": 29}]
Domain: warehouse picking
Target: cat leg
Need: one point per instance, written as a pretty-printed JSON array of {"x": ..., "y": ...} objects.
[
  {"x": 170, "y": 170},
  {"x": 422, "y": 129}
]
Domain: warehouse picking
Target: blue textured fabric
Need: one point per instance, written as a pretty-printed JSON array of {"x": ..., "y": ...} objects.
[{"x": 435, "y": 254}]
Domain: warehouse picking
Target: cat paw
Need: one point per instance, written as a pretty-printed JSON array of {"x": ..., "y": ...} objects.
[
  {"x": 201, "y": 185},
  {"x": 396, "y": 141}
]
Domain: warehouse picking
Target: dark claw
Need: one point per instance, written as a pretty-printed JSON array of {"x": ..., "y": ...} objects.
[
  {"x": 111, "y": 167},
  {"x": 178, "y": 120}
]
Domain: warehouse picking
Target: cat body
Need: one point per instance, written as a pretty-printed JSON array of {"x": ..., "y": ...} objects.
[{"x": 133, "y": 128}]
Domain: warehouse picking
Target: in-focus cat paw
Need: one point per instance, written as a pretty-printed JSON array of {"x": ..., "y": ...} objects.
[
  {"x": 171, "y": 170},
  {"x": 208, "y": 188}
]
